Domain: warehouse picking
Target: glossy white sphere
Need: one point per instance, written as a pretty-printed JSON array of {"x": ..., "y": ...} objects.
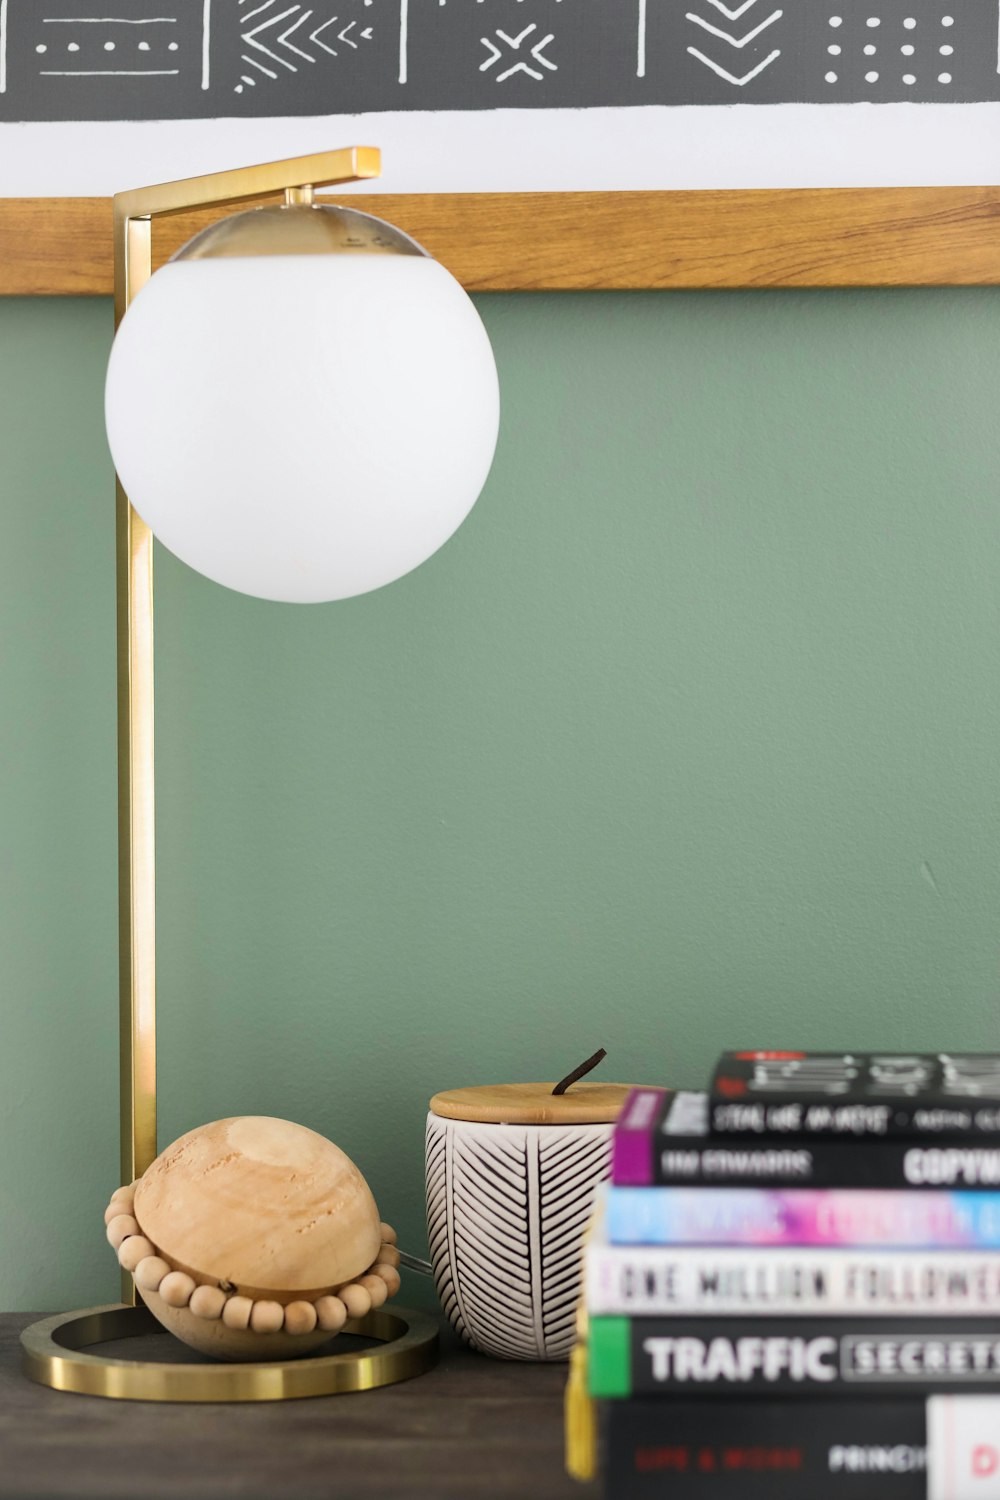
[{"x": 303, "y": 427}]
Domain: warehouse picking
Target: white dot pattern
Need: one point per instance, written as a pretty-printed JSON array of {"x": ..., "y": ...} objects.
[{"x": 890, "y": 78}]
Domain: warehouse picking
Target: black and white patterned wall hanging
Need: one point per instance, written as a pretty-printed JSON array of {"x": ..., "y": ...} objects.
[{"x": 193, "y": 59}]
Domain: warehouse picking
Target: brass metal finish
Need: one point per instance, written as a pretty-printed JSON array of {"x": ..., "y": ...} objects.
[
  {"x": 136, "y": 847},
  {"x": 55, "y": 1354},
  {"x": 55, "y": 1350},
  {"x": 300, "y": 195},
  {"x": 136, "y": 850},
  {"x": 299, "y": 229},
  {"x": 133, "y": 215},
  {"x": 325, "y": 169}
]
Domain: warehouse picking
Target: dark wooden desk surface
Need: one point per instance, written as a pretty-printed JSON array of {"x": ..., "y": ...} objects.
[{"x": 473, "y": 1427}]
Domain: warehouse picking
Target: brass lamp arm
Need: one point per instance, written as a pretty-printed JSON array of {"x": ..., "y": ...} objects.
[{"x": 133, "y": 210}]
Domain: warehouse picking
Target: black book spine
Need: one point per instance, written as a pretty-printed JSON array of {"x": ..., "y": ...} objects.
[
  {"x": 801, "y": 1357},
  {"x": 805, "y": 1119},
  {"x": 764, "y": 1450},
  {"x": 855, "y": 1095},
  {"x": 777, "y": 1162}
]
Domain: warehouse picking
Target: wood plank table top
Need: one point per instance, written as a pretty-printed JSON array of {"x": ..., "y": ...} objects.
[{"x": 472, "y": 1427}]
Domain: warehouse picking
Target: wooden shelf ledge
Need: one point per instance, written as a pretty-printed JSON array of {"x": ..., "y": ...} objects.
[{"x": 504, "y": 242}]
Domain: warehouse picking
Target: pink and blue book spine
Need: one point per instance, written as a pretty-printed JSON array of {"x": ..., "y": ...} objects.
[{"x": 864, "y": 1217}]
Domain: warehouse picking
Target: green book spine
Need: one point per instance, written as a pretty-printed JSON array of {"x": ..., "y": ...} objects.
[{"x": 609, "y": 1360}]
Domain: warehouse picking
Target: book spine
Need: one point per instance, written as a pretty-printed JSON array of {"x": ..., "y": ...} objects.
[
  {"x": 765, "y": 1450},
  {"x": 805, "y": 1119},
  {"x": 963, "y": 1448},
  {"x": 793, "y": 1357},
  {"x": 797, "y": 1094},
  {"x": 803, "y": 1216},
  {"x": 632, "y": 1143},
  {"x": 680, "y": 1161},
  {"x": 671, "y": 1282}
]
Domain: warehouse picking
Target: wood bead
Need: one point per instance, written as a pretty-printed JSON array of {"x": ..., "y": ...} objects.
[
  {"x": 117, "y": 1206},
  {"x": 267, "y": 1317},
  {"x": 356, "y": 1299},
  {"x": 150, "y": 1272},
  {"x": 331, "y": 1313},
  {"x": 375, "y": 1287},
  {"x": 390, "y": 1276},
  {"x": 389, "y": 1255},
  {"x": 176, "y": 1288},
  {"x": 208, "y": 1302},
  {"x": 236, "y": 1313},
  {"x": 124, "y": 1194},
  {"x": 133, "y": 1250},
  {"x": 300, "y": 1317},
  {"x": 120, "y": 1227},
  {"x": 389, "y": 1235}
]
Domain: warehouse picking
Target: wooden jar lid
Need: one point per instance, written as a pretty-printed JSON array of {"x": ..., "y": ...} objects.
[{"x": 532, "y": 1104}]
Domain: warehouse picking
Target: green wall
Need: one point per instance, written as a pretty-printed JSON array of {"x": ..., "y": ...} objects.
[{"x": 688, "y": 739}]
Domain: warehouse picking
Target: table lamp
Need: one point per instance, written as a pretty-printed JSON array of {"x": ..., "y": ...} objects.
[{"x": 302, "y": 405}]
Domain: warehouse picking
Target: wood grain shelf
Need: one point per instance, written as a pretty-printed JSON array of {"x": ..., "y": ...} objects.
[
  {"x": 502, "y": 242},
  {"x": 473, "y": 1428}
]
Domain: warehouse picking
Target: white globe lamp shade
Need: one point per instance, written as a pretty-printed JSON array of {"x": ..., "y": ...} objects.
[{"x": 302, "y": 404}]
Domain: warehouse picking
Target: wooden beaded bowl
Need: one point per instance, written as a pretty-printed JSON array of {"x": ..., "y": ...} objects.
[{"x": 253, "y": 1238}]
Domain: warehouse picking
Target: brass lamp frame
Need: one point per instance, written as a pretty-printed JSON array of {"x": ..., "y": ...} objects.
[{"x": 55, "y": 1349}]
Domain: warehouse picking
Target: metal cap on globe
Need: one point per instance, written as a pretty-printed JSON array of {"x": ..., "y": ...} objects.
[{"x": 302, "y": 404}]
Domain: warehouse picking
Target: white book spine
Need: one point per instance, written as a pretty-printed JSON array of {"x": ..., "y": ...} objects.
[
  {"x": 629, "y": 1280},
  {"x": 963, "y": 1436}
]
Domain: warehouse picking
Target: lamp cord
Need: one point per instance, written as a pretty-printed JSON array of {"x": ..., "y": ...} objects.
[{"x": 413, "y": 1263}]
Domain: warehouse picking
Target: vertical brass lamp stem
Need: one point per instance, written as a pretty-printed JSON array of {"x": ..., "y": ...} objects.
[
  {"x": 136, "y": 823},
  {"x": 133, "y": 216}
]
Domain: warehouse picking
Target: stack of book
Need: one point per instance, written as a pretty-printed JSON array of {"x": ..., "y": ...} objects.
[{"x": 792, "y": 1284}]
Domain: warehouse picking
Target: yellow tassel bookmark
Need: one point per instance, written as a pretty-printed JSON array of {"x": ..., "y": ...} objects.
[{"x": 581, "y": 1419}]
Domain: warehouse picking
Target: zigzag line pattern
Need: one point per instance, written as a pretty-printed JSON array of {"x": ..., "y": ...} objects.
[
  {"x": 733, "y": 14},
  {"x": 731, "y": 77},
  {"x": 279, "y": 47},
  {"x": 742, "y": 41}
]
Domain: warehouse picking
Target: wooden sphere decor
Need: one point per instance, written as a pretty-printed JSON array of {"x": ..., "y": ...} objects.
[{"x": 253, "y": 1238}]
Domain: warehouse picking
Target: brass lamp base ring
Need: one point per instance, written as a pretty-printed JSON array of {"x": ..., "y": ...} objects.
[{"x": 55, "y": 1354}]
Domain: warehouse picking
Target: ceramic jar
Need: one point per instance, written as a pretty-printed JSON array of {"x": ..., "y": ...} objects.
[{"x": 511, "y": 1176}]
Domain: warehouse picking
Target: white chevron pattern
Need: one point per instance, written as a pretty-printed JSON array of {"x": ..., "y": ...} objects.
[
  {"x": 731, "y": 77},
  {"x": 278, "y": 46},
  {"x": 733, "y": 15},
  {"x": 726, "y": 36},
  {"x": 734, "y": 39}
]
